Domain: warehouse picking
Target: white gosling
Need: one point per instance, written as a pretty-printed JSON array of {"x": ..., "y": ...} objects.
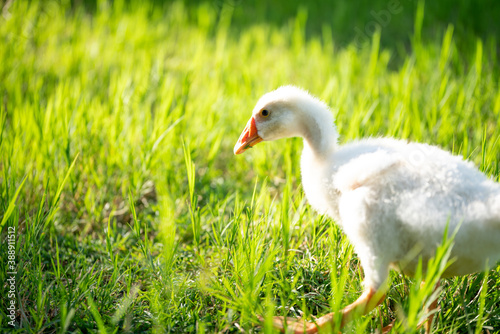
[{"x": 389, "y": 196}]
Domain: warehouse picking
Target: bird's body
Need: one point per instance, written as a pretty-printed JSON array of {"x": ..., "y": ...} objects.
[{"x": 392, "y": 198}]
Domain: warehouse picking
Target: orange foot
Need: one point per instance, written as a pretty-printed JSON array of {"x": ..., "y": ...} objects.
[
  {"x": 297, "y": 326},
  {"x": 388, "y": 328}
]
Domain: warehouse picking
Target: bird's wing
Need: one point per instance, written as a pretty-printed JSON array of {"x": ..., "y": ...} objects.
[{"x": 367, "y": 168}]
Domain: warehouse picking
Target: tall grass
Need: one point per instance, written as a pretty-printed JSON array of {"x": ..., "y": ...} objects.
[{"x": 131, "y": 212}]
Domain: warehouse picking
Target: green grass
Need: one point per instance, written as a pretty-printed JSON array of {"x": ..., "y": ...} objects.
[{"x": 133, "y": 215}]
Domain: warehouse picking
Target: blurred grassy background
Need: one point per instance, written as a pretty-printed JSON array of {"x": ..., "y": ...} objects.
[
  {"x": 471, "y": 19},
  {"x": 132, "y": 214}
]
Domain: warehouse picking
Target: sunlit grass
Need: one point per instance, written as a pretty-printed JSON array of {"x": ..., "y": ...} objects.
[{"x": 158, "y": 226}]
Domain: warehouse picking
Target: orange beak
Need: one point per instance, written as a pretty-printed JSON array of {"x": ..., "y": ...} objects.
[{"x": 248, "y": 138}]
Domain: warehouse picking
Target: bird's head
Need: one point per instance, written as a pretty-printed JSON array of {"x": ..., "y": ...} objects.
[{"x": 278, "y": 114}]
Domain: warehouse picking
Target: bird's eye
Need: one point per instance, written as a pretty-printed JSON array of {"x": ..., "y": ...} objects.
[{"x": 264, "y": 112}]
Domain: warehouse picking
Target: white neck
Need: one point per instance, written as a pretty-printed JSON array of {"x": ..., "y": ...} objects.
[{"x": 319, "y": 132}]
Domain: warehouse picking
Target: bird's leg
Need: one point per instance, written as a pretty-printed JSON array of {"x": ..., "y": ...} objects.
[
  {"x": 427, "y": 323},
  {"x": 364, "y": 304},
  {"x": 388, "y": 328}
]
